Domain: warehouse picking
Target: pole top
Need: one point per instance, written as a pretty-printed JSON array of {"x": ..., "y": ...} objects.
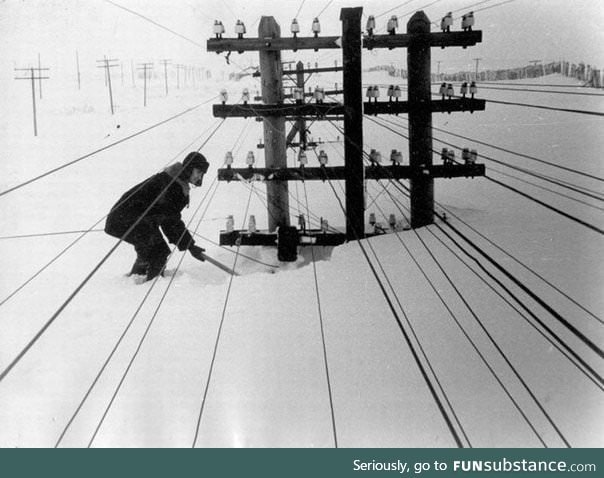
[
  {"x": 351, "y": 13},
  {"x": 268, "y": 27},
  {"x": 418, "y": 23}
]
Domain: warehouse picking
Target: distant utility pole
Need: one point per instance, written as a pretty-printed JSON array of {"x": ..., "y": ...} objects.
[
  {"x": 145, "y": 67},
  {"x": 34, "y": 74},
  {"x": 40, "y": 80},
  {"x": 78, "y": 70},
  {"x": 107, "y": 65},
  {"x": 166, "y": 62},
  {"x": 132, "y": 71},
  {"x": 178, "y": 68},
  {"x": 476, "y": 71},
  {"x": 438, "y": 69}
]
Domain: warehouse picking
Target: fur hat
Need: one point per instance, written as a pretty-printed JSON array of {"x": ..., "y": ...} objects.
[{"x": 193, "y": 161}]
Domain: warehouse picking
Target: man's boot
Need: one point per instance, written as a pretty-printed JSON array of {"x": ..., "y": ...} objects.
[{"x": 139, "y": 267}]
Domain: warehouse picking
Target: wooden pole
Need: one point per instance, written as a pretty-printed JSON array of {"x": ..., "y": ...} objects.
[
  {"x": 40, "y": 70},
  {"x": 353, "y": 122},
  {"x": 301, "y": 123},
  {"x": 33, "y": 97},
  {"x": 420, "y": 122},
  {"x": 274, "y": 126},
  {"x": 109, "y": 83},
  {"x": 78, "y": 69}
]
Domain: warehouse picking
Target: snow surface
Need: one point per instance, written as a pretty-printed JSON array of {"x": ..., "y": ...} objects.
[{"x": 268, "y": 385}]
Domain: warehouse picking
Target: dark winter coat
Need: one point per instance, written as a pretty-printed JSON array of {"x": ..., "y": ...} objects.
[{"x": 173, "y": 193}]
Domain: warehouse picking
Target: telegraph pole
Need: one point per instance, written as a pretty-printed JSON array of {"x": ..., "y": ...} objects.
[
  {"x": 166, "y": 62},
  {"x": 476, "y": 70},
  {"x": 33, "y": 77},
  {"x": 419, "y": 96},
  {"x": 275, "y": 151},
  {"x": 353, "y": 122},
  {"x": 107, "y": 65},
  {"x": 78, "y": 70},
  {"x": 145, "y": 67},
  {"x": 40, "y": 79}
]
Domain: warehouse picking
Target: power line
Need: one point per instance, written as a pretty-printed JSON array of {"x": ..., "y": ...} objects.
[
  {"x": 322, "y": 328},
  {"x": 156, "y": 24},
  {"x": 115, "y": 143},
  {"x": 144, "y": 336},
  {"x": 84, "y": 232},
  {"x": 526, "y": 195},
  {"x": 514, "y": 280},
  {"x": 405, "y": 335},
  {"x": 119, "y": 341},
  {"x": 218, "y": 334},
  {"x": 492, "y": 340},
  {"x": 86, "y": 279}
]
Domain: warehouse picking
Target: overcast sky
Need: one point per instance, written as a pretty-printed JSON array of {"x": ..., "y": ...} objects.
[{"x": 513, "y": 33}]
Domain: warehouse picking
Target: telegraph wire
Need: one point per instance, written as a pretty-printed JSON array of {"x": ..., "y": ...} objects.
[
  {"x": 482, "y": 86},
  {"x": 551, "y": 108},
  {"x": 416, "y": 358},
  {"x": 394, "y": 8},
  {"x": 532, "y": 271},
  {"x": 487, "y": 333},
  {"x": 516, "y": 309},
  {"x": 530, "y": 293},
  {"x": 535, "y": 297},
  {"x": 218, "y": 334},
  {"x": 299, "y": 9},
  {"x": 122, "y": 336},
  {"x": 90, "y": 229},
  {"x": 322, "y": 328},
  {"x": 156, "y": 24},
  {"x": 525, "y": 195},
  {"x": 526, "y": 156},
  {"x": 577, "y": 361},
  {"x": 509, "y": 276},
  {"x": 410, "y": 325},
  {"x": 325, "y": 8},
  {"x": 147, "y": 329},
  {"x": 54, "y": 170},
  {"x": 586, "y": 368},
  {"x": 88, "y": 277},
  {"x": 565, "y": 184}
]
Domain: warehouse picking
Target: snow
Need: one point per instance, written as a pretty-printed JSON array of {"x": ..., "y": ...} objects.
[{"x": 267, "y": 384}]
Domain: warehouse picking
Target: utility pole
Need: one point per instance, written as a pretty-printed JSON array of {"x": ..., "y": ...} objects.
[
  {"x": 165, "y": 62},
  {"x": 40, "y": 79},
  {"x": 145, "y": 67},
  {"x": 353, "y": 122},
  {"x": 33, "y": 76},
  {"x": 132, "y": 71},
  {"x": 107, "y": 64},
  {"x": 438, "y": 69},
  {"x": 274, "y": 140},
  {"x": 78, "y": 70},
  {"x": 420, "y": 122},
  {"x": 476, "y": 70}
]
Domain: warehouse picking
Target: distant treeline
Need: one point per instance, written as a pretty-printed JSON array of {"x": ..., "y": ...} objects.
[{"x": 587, "y": 74}]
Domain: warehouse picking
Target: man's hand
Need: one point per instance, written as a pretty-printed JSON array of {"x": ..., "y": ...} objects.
[{"x": 197, "y": 252}]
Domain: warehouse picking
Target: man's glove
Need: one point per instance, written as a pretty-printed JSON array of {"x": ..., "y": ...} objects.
[{"x": 197, "y": 252}]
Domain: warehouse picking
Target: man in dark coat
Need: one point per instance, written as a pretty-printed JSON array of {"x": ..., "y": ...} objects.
[{"x": 153, "y": 207}]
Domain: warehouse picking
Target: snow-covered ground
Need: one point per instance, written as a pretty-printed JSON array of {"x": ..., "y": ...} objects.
[{"x": 253, "y": 346}]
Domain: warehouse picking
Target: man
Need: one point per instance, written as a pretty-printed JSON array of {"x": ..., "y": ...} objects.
[{"x": 153, "y": 207}]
